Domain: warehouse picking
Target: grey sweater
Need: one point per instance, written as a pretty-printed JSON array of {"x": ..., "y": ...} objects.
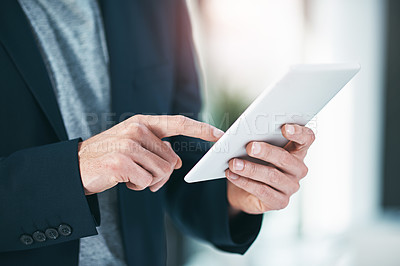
[{"x": 70, "y": 35}]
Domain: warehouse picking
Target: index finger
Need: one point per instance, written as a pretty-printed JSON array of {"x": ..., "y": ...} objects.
[{"x": 172, "y": 125}]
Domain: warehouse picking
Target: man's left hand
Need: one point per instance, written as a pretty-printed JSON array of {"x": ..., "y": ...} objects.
[{"x": 256, "y": 188}]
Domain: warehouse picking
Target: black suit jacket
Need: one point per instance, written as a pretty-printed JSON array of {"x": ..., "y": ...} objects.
[{"x": 152, "y": 71}]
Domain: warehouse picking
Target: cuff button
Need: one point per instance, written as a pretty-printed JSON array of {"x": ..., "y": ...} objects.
[
  {"x": 39, "y": 236},
  {"x": 51, "y": 233},
  {"x": 26, "y": 240},
  {"x": 64, "y": 229}
]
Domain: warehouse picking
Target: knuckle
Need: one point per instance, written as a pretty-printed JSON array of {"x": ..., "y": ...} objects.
[
  {"x": 143, "y": 183},
  {"x": 304, "y": 171},
  {"x": 312, "y": 137},
  {"x": 180, "y": 120},
  {"x": 274, "y": 176},
  {"x": 165, "y": 168},
  {"x": 147, "y": 180},
  {"x": 131, "y": 186},
  {"x": 310, "y": 134},
  {"x": 276, "y": 196},
  {"x": 131, "y": 127},
  {"x": 138, "y": 187},
  {"x": 266, "y": 152},
  {"x": 172, "y": 157},
  {"x": 283, "y": 203},
  {"x": 174, "y": 160},
  {"x": 138, "y": 117},
  {"x": 263, "y": 192},
  {"x": 116, "y": 161},
  {"x": 285, "y": 159},
  {"x": 294, "y": 187},
  {"x": 167, "y": 144},
  {"x": 137, "y": 128},
  {"x": 244, "y": 183},
  {"x": 116, "y": 179},
  {"x": 250, "y": 168},
  {"x": 141, "y": 129}
]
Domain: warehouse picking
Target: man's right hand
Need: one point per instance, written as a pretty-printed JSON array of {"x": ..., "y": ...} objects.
[{"x": 132, "y": 152}]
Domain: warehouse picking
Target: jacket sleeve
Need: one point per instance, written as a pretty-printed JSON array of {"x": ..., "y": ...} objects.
[
  {"x": 41, "y": 190},
  {"x": 200, "y": 209}
]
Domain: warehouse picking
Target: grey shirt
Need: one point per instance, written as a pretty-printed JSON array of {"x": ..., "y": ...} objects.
[{"x": 70, "y": 35}]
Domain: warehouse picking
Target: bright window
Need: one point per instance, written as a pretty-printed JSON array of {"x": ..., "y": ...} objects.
[{"x": 242, "y": 46}]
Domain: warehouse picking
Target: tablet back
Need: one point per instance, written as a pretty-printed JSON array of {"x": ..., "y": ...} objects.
[{"x": 295, "y": 98}]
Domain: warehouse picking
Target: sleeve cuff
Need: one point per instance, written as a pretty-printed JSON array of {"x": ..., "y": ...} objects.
[
  {"x": 42, "y": 189},
  {"x": 242, "y": 230}
]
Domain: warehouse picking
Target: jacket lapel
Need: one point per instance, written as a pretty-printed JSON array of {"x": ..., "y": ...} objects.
[{"x": 19, "y": 41}]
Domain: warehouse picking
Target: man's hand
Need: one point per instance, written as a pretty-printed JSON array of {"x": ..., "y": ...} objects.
[
  {"x": 132, "y": 152},
  {"x": 255, "y": 188}
]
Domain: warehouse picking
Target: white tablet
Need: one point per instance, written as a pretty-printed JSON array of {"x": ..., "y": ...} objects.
[{"x": 295, "y": 98}]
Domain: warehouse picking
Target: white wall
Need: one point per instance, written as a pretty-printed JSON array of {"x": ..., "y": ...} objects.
[{"x": 345, "y": 161}]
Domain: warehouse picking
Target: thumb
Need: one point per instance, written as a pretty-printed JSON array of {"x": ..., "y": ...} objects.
[{"x": 172, "y": 125}]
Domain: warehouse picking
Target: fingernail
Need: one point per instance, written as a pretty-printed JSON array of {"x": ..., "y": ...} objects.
[
  {"x": 218, "y": 133},
  {"x": 289, "y": 129},
  {"x": 232, "y": 176},
  {"x": 238, "y": 164},
  {"x": 255, "y": 148}
]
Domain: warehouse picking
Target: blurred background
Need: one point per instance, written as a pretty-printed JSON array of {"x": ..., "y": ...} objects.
[{"x": 347, "y": 211}]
